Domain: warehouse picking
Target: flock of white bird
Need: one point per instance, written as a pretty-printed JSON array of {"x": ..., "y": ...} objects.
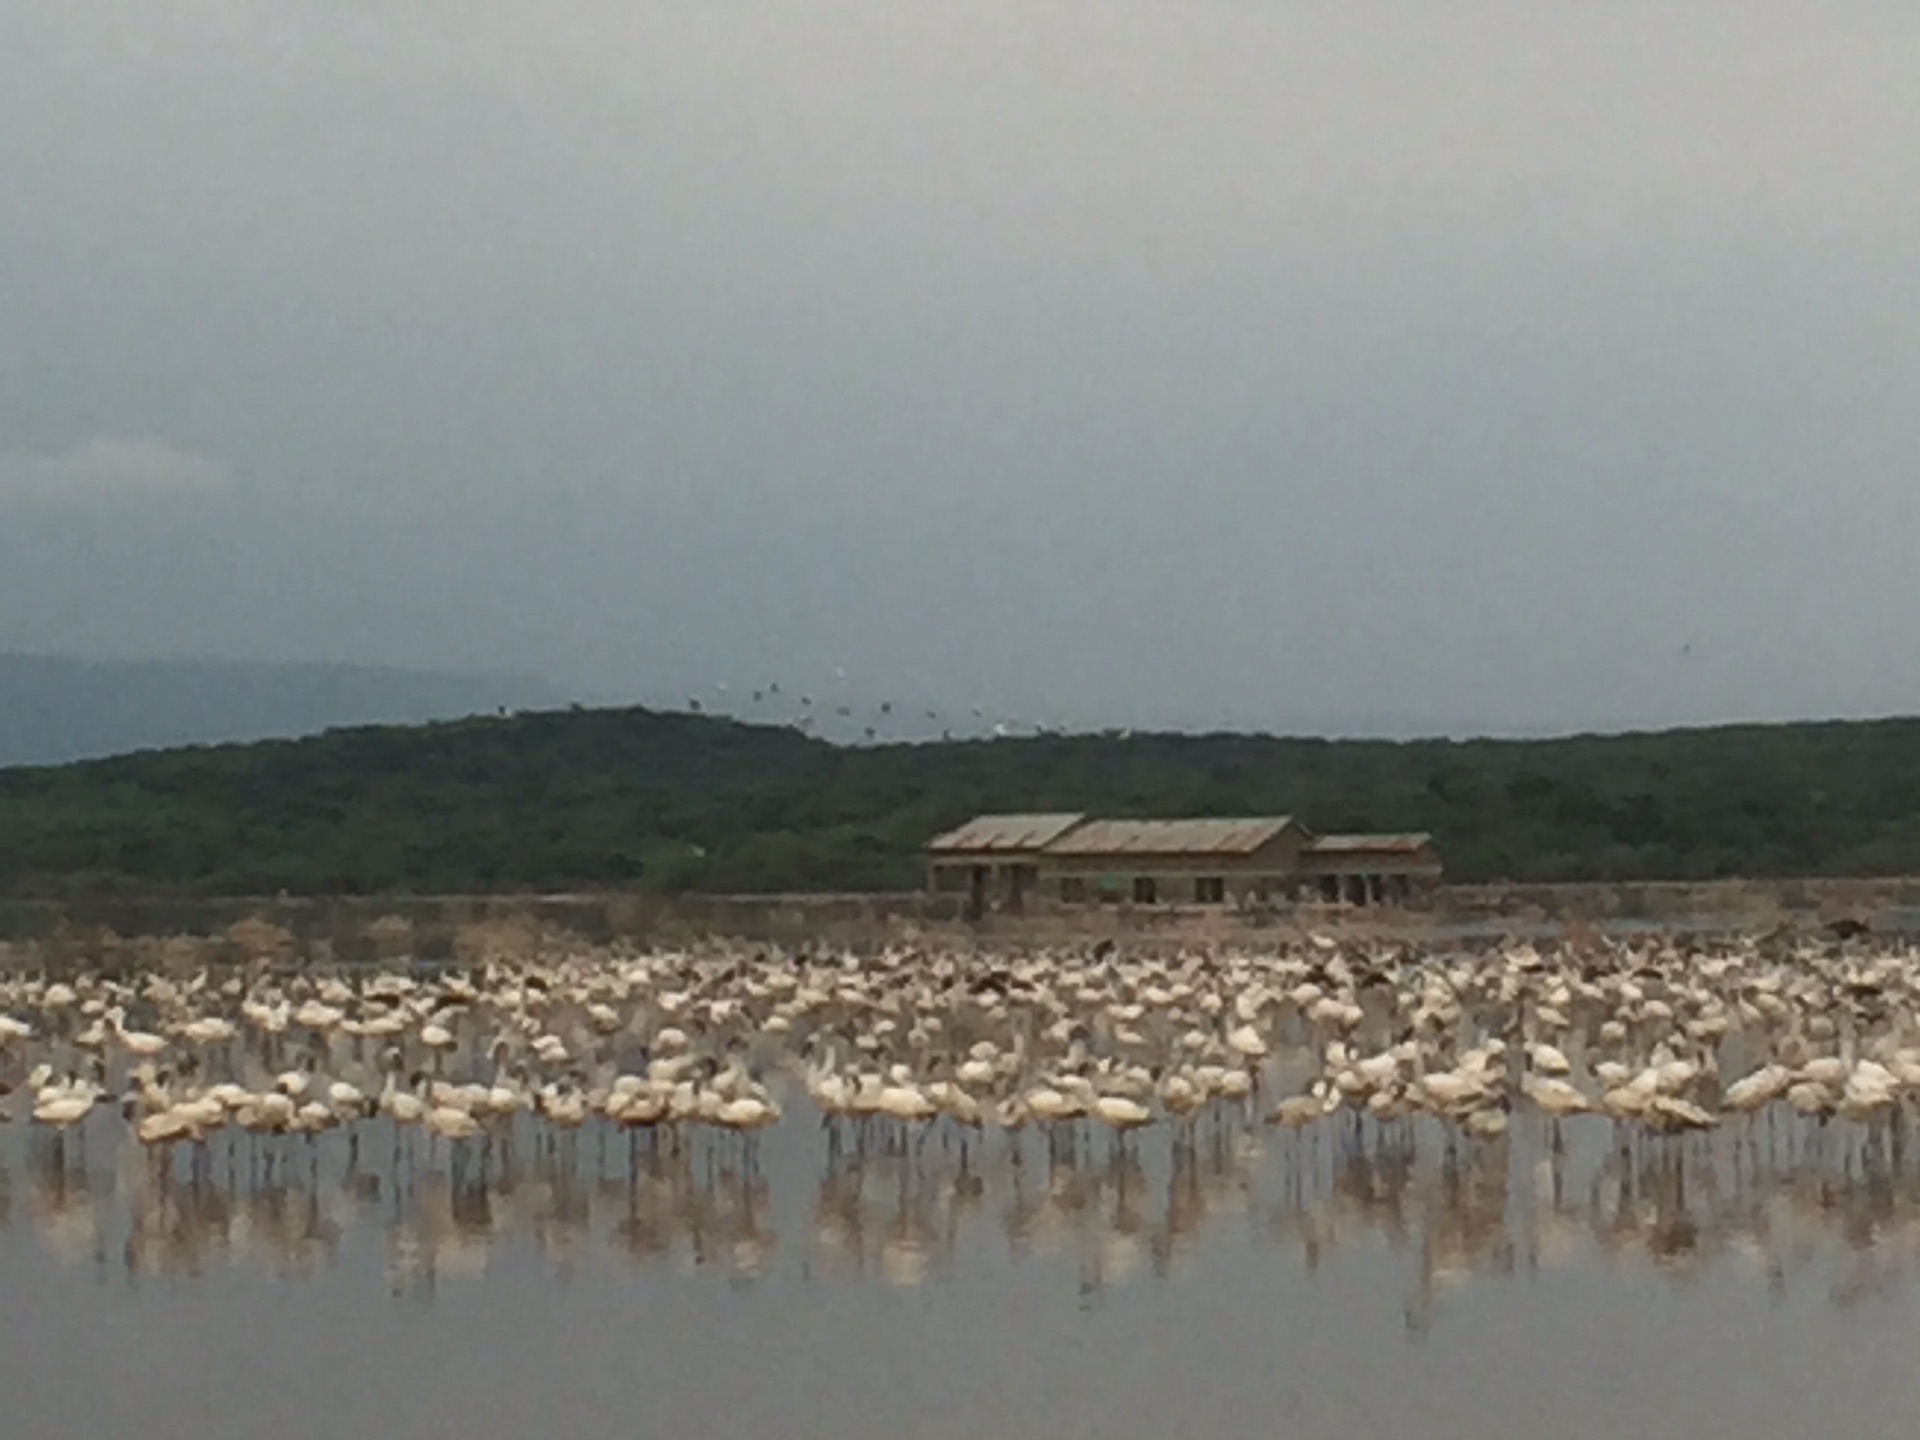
[
  {"x": 1654, "y": 1036},
  {"x": 1361, "y": 1054}
]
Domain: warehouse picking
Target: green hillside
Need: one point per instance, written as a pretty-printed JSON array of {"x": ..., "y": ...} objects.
[{"x": 668, "y": 802}]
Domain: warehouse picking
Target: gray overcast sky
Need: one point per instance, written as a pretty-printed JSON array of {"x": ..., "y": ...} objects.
[{"x": 1389, "y": 366}]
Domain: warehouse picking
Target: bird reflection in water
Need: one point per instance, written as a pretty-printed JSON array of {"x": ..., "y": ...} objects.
[
  {"x": 1110, "y": 1213},
  {"x": 1107, "y": 1116}
]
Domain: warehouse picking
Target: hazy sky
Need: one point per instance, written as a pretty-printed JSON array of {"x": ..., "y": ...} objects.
[{"x": 1281, "y": 364}]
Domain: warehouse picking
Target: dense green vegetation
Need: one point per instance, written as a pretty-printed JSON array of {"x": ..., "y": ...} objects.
[{"x": 670, "y": 802}]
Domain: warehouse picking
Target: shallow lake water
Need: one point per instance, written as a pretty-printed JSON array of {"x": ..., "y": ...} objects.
[{"x": 1339, "y": 1282}]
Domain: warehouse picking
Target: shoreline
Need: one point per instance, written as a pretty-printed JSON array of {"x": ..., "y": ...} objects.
[{"x": 372, "y": 928}]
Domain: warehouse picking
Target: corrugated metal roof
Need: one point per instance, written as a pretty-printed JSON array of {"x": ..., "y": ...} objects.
[
  {"x": 1170, "y": 837},
  {"x": 1404, "y": 844},
  {"x": 1005, "y": 832}
]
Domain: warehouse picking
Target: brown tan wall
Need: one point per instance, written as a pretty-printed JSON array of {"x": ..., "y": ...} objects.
[
  {"x": 1423, "y": 862},
  {"x": 34, "y": 933},
  {"x": 1267, "y": 869}
]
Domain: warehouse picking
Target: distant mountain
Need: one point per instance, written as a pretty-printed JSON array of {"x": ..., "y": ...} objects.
[{"x": 54, "y": 709}]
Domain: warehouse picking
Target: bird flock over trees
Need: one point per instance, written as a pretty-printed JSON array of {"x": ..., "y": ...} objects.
[{"x": 836, "y": 707}]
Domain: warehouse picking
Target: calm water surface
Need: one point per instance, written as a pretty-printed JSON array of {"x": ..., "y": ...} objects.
[{"x": 1338, "y": 1283}]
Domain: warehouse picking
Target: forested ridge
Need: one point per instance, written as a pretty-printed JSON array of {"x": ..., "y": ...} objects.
[{"x": 668, "y": 802}]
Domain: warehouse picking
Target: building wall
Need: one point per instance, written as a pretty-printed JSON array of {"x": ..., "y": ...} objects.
[
  {"x": 1369, "y": 877},
  {"x": 1423, "y": 862},
  {"x": 953, "y": 871},
  {"x": 1266, "y": 873},
  {"x": 1001, "y": 879}
]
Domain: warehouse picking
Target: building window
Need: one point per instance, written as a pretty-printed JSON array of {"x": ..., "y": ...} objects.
[
  {"x": 1209, "y": 890},
  {"x": 1073, "y": 889},
  {"x": 1145, "y": 892},
  {"x": 1330, "y": 888}
]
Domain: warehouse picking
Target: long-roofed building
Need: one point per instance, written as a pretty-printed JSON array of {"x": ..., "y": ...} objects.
[{"x": 1004, "y": 861}]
